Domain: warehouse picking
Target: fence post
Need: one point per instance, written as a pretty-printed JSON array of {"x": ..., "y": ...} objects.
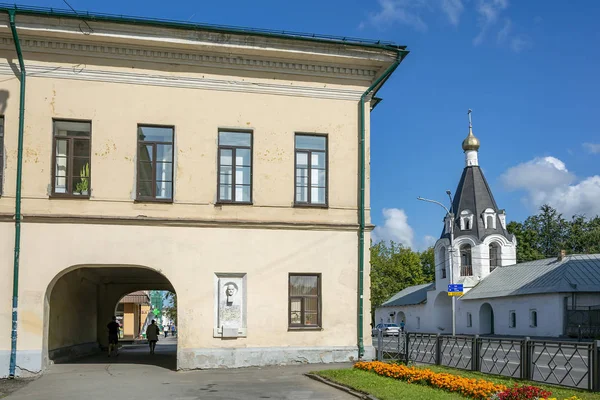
[
  {"x": 379, "y": 345},
  {"x": 525, "y": 358},
  {"x": 406, "y": 348},
  {"x": 475, "y": 354},
  {"x": 438, "y": 349},
  {"x": 595, "y": 370}
]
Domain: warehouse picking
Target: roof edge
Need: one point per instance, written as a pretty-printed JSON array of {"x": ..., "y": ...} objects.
[{"x": 276, "y": 34}]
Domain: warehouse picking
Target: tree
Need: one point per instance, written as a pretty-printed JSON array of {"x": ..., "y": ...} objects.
[
  {"x": 171, "y": 309},
  {"x": 527, "y": 242},
  {"x": 428, "y": 264},
  {"x": 393, "y": 268}
]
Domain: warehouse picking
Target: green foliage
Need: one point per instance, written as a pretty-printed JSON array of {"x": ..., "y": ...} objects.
[
  {"x": 84, "y": 175},
  {"x": 428, "y": 264},
  {"x": 394, "y": 267},
  {"x": 171, "y": 309},
  {"x": 544, "y": 235}
]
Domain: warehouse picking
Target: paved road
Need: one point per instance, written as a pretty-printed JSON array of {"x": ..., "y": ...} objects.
[
  {"x": 136, "y": 375},
  {"x": 569, "y": 367}
]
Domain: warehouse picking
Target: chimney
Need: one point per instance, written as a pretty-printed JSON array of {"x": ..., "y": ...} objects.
[{"x": 562, "y": 255}]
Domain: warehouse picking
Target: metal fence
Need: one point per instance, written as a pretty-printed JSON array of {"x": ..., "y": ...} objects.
[{"x": 565, "y": 363}]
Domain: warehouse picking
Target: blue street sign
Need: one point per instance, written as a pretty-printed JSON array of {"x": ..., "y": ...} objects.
[{"x": 456, "y": 287}]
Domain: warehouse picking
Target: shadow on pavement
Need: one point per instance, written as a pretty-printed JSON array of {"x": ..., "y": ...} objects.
[{"x": 165, "y": 355}]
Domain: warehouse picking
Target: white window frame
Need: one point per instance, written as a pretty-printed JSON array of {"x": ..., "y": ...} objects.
[
  {"x": 531, "y": 319},
  {"x": 510, "y": 319},
  {"x": 466, "y": 216}
]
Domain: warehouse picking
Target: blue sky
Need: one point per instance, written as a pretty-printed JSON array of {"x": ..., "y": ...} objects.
[{"x": 528, "y": 69}]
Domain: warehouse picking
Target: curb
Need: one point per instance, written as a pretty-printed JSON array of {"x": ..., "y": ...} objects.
[{"x": 343, "y": 388}]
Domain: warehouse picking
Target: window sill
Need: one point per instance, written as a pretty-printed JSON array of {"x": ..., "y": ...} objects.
[
  {"x": 304, "y": 328},
  {"x": 233, "y": 203},
  {"x": 307, "y": 205},
  {"x": 165, "y": 201},
  {"x": 69, "y": 196}
]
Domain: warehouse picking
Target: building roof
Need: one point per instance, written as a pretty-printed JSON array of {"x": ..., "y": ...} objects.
[
  {"x": 409, "y": 296},
  {"x": 473, "y": 193},
  {"x": 575, "y": 273},
  {"x": 139, "y": 297},
  {"x": 102, "y": 17}
]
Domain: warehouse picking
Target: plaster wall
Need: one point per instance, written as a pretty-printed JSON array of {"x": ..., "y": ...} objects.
[
  {"x": 583, "y": 299},
  {"x": 189, "y": 258},
  {"x": 549, "y": 309}
]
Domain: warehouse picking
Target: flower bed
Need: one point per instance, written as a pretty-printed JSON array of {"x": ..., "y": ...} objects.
[{"x": 474, "y": 388}]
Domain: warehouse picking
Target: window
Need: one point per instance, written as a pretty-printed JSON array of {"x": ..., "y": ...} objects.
[
  {"x": 304, "y": 301},
  {"x": 489, "y": 218},
  {"x": 1, "y": 153},
  {"x": 466, "y": 220},
  {"x": 469, "y": 320},
  {"x": 533, "y": 318},
  {"x": 442, "y": 261},
  {"x": 418, "y": 322},
  {"x": 71, "y": 164},
  {"x": 155, "y": 163},
  {"x": 512, "y": 319},
  {"x": 494, "y": 256},
  {"x": 311, "y": 170},
  {"x": 235, "y": 167},
  {"x": 466, "y": 267}
]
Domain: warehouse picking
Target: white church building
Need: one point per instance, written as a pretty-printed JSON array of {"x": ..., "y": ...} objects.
[{"x": 500, "y": 297}]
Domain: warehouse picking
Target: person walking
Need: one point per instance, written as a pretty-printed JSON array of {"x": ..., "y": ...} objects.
[
  {"x": 402, "y": 326},
  {"x": 166, "y": 330},
  {"x": 113, "y": 336},
  {"x": 173, "y": 330},
  {"x": 152, "y": 333}
]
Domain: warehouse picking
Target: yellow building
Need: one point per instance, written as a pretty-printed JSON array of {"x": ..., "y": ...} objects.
[
  {"x": 221, "y": 164},
  {"x": 131, "y": 314}
]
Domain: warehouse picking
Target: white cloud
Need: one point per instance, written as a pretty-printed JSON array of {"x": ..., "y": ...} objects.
[
  {"x": 453, "y": 9},
  {"x": 548, "y": 181},
  {"x": 411, "y": 12},
  {"x": 505, "y": 31},
  {"x": 428, "y": 241},
  {"x": 593, "y": 148},
  {"x": 488, "y": 12},
  {"x": 520, "y": 43},
  {"x": 395, "y": 228}
]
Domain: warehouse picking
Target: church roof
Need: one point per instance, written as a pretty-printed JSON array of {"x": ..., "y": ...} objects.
[
  {"x": 473, "y": 194},
  {"x": 575, "y": 273},
  {"x": 409, "y": 296}
]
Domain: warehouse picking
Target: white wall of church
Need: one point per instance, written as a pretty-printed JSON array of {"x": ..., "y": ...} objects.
[
  {"x": 414, "y": 319},
  {"x": 547, "y": 306}
]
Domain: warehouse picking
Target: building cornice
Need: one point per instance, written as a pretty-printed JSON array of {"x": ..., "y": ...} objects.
[
  {"x": 181, "y": 222},
  {"x": 81, "y": 72}
]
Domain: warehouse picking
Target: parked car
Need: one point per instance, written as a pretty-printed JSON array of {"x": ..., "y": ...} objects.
[{"x": 387, "y": 329}]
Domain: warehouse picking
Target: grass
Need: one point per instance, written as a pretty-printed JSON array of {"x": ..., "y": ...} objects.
[{"x": 387, "y": 389}]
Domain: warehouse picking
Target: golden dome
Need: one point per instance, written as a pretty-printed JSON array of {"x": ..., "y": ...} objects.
[{"x": 471, "y": 142}]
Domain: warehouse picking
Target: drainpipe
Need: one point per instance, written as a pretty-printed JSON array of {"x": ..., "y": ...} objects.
[
  {"x": 366, "y": 96},
  {"x": 15, "y": 298}
]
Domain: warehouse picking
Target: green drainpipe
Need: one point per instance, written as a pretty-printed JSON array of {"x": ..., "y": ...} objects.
[
  {"x": 15, "y": 298},
  {"x": 361, "y": 204}
]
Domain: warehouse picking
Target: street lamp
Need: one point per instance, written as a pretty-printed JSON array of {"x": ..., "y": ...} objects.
[{"x": 451, "y": 251}]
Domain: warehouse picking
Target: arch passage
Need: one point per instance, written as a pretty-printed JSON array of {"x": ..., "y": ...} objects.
[
  {"x": 80, "y": 302},
  {"x": 486, "y": 319},
  {"x": 442, "y": 312}
]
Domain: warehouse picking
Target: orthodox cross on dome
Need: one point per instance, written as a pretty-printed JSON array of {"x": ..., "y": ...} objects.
[
  {"x": 470, "y": 123},
  {"x": 471, "y": 145}
]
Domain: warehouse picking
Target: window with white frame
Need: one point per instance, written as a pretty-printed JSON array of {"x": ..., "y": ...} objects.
[
  {"x": 494, "y": 256},
  {"x": 469, "y": 320},
  {"x": 442, "y": 262},
  {"x": 466, "y": 220},
  {"x": 512, "y": 319},
  {"x": 533, "y": 318},
  {"x": 489, "y": 218}
]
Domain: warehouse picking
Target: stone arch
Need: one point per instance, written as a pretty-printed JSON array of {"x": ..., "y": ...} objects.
[
  {"x": 81, "y": 299},
  {"x": 442, "y": 312},
  {"x": 486, "y": 319},
  {"x": 400, "y": 316}
]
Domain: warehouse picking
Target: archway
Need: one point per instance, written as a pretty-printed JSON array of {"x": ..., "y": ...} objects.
[
  {"x": 442, "y": 312},
  {"x": 486, "y": 319},
  {"x": 80, "y": 302}
]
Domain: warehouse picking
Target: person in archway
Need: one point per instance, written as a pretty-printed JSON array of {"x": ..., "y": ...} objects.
[
  {"x": 113, "y": 336},
  {"x": 402, "y": 325},
  {"x": 152, "y": 333}
]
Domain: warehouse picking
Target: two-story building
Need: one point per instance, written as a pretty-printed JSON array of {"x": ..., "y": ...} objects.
[{"x": 230, "y": 166}]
